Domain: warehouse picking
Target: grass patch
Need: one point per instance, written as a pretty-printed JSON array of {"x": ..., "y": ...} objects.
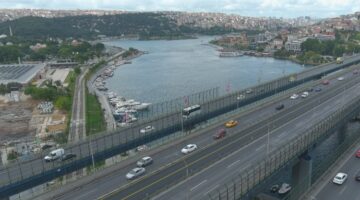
[
  {"x": 95, "y": 121},
  {"x": 71, "y": 76}
]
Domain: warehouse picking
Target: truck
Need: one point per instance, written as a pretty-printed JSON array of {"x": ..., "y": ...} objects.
[
  {"x": 54, "y": 155},
  {"x": 339, "y": 60}
]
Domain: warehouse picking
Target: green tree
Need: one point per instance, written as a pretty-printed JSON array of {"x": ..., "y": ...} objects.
[
  {"x": 63, "y": 103},
  {"x": 77, "y": 70}
]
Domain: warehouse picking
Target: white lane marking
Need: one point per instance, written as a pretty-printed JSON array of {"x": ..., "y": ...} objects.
[
  {"x": 202, "y": 182},
  {"x": 257, "y": 149},
  {"x": 232, "y": 164},
  {"x": 342, "y": 190},
  {"x": 86, "y": 193},
  {"x": 213, "y": 188}
]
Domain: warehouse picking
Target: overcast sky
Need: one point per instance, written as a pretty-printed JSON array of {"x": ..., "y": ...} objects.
[{"x": 278, "y": 8}]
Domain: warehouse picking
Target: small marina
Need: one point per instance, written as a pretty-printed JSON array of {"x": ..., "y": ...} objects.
[{"x": 125, "y": 111}]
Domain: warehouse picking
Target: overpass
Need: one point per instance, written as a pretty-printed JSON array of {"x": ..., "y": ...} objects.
[
  {"x": 229, "y": 169},
  {"x": 26, "y": 174}
]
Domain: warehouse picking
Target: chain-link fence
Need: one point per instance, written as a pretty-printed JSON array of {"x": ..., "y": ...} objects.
[
  {"x": 255, "y": 175},
  {"x": 110, "y": 144}
]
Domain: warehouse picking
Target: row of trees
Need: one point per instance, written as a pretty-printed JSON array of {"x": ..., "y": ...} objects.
[{"x": 80, "y": 53}]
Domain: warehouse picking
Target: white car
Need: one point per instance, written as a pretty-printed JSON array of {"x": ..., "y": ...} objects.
[
  {"x": 134, "y": 173},
  {"x": 340, "y": 78},
  {"x": 304, "y": 94},
  {"x": 340, "y": 178},
  {"x": 147, "y": 129},
  {"x": 189, "y": 148},
  {"x": 294, "y": 96}
]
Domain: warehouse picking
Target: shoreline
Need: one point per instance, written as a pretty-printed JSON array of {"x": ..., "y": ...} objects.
[{"x": 102, "y": 98}]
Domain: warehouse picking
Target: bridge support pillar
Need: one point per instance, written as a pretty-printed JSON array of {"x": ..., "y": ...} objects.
[
  {"x": 341, "y": 133},
  {"x": 301, "y": 174}
]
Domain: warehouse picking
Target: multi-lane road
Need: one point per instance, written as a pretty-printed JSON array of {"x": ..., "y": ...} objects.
[
  {"x": 107, "y": 183},
  {"x": 249, "y": 146},
  {"x": 37, "y": 165},
  {"x": 348, "y": 190}
]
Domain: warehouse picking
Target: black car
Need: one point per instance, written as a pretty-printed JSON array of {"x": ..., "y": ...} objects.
[
  {"x": 317, "y": 89},
  {"x": 68, "y": 157},
  {"x": 279, "y": 107},
  {"x": 46, "y": 146},
  {"x": 357, "y": 177}
]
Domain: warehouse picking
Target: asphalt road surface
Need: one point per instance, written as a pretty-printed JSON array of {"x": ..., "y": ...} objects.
[
  {"x": 108, "y": 183},
  {"x": 286, "y": 128},
  {"x": 350, "y": 188},
  {"x": 37, "y": 165}
]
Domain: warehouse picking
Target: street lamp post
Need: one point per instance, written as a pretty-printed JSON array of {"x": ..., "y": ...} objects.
[{"x": 92, "y": 154}]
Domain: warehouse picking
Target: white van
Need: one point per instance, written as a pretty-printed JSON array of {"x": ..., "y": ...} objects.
[{"x": 54, "y": 155}]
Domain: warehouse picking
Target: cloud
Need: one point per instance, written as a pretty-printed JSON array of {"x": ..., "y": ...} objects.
[{"x": 279, "y": 8}]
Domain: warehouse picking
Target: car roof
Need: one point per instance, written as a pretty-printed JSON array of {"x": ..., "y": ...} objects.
[
  {"x": 340, "y": 174},
  {"x": 146, "y": 157}
]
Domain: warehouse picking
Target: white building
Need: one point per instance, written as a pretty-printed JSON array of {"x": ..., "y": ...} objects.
[{"x": 294, "y": 46}]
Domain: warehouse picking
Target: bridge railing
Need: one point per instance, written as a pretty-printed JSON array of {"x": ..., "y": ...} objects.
[
  {"x": 110, "y": 144},
  {"x": 253, "y": 176}
]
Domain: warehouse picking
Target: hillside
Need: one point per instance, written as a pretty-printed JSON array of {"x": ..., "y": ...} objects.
[{"x": 144, "y": 25}]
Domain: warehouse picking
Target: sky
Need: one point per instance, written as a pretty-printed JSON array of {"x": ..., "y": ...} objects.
[{"x": 269, "y": 8}]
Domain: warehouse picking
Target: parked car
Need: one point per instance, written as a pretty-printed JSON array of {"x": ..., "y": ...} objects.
[
  {"x": 147, "y": 129},
  {"x": 325, "y": 82},
  {"x": 54, "y": 155},
  {"x": 274, "y": 188},
  {"x": 134, "y": 173},
  {"x": 279, "y": 107},
  {"x": 340, "y": 178},
  {"x": 317, "y": 89},
  {"x": 46, "y": 146},
  {"x": 294, "y": 96},
  {"x": 189, "y": 148},
  {"x": 68, "y": 157},
  {"x": 355, "y": 71},
  {"x": 285, "y": 188},
  {"x": 340, "y": 78},
  {"x": 357, "y": 177},
  {"x": 145, "y": 161},
  {"x": 231, "y": 123},
  {"x": 220, "y": 134},
  {"x": 310, "y": 90},
  {"x": 305, "y": 94},
  {"x": 248, "y": 91},
  {"x": 357, "y": 154}
]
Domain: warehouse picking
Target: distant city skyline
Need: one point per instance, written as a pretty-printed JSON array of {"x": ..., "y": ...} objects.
[{"x": 255, "y": 8}]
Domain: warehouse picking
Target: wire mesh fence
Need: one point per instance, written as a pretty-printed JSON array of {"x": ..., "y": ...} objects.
[
  {"x": 255, "y": 175},
  {"x": 103, "y": 146}
]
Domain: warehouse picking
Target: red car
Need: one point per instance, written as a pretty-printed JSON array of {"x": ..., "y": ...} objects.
[
  {"x": 325, "y": 82},
  {"x": 220, "y": 134},
  {"x": 357, "y": 153}
]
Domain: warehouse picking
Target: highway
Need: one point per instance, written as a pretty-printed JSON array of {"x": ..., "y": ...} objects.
[
  {"x": 107, "y": 183},
  {"x": 246, "y": 151},
  {"x": 37, "y": 165},
  {"x": 350, "y": 189}
]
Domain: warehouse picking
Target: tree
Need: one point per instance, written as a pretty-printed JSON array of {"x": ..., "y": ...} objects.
[
  {"x": 339, "y": 50},
  {"x": 77, "y": 70},
  {"x": 63, "y": 103}
]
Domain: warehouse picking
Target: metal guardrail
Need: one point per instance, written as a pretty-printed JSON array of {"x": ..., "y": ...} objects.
[
  {"x": 106, "y": 145},
  {"x": 255, "y": 175}
]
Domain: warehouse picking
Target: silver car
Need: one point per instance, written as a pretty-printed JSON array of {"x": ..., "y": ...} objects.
[
  {"x": 134, "y": 173},
  {"x": 145, "y": 161}
]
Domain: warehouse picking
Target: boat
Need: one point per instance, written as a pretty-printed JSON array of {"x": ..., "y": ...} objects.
[
  {"x": 230, "y": 54},
  {"x": 142, "y": 106}
]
